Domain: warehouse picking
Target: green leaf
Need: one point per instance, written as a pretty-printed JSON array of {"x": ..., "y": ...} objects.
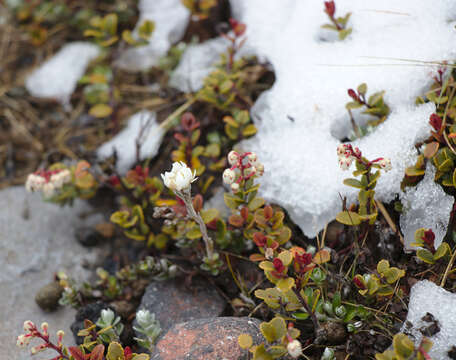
[
  {"x": 425, "y": 255},
  {"x": 146, "y": 29},
  {"x": 403, "y": 346},
  {"x": 354, "y": 183},
  {"x": 115, "y": 352},
  {"x": 344, "y": 33},
  {"x": 245, "y": 341},
  {"x": 232, "y": 201},
  {"x": 286, "y": 257},
  {"x": 353, "y": 105},
  {"x": 249, "y": 130},
  {"x": 285, "y": 285},
  {"x": 209, "y": 215},
  {"x": 348, "y": 218},
  {"x": 442, "y": 250},
  {"x": 256, "y": 203},
  {"x": 100, "y": 111},
  {"x": 362, "y": 89},
  {"x": 274, "y": 330}
]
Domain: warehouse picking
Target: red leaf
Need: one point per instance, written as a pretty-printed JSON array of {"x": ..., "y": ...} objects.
[
  {"x": 77, "y": 353},
  {"x": 97, "y": 352}
]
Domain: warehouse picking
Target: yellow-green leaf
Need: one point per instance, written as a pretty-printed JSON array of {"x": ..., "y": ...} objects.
[{"x": 100, "y": 110}]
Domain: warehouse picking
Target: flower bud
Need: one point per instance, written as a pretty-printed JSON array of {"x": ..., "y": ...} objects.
[
  {"x": 345, "y": 163},
  {"x": 235, "y": 187},
  {"x": 229, "y": 176},
  {"x": 327, "y": 307},
  {"x": 28, "y": 325},
  {"x": 294, "y": 349},
  {"x": 44, "y": 327},
  {"x": 233, "y": 157},
  {"x": 385, "y": 164},
  {"x": 341, "y": 311},
  {"x": 22, "y": 340},
  {"x": 253, "y": 158},
  {"x": 341, "y": 149},
  {"x": 260, "y": 169},
  {"x": 250, "y": 171}
]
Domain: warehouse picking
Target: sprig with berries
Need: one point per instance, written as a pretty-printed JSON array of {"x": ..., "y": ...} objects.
[{"x": 366, "y": 211}]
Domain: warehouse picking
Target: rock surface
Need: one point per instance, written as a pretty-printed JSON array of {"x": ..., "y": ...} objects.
[
  {"x": 207, "y": 339},
  {"x": 173, "y": 302},
  {"x": 36, "y": 240}
]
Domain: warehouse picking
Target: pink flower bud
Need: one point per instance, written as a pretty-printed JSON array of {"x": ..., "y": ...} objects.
[
  {"x": 229, "y": 176},
  {"x": 345, "y": 163},
  {"x": 253, "y": 158},
  {"x": 29, "y": 325},
  {"x": 233, "y": 157},
  {"x": 235, "y": 187},
  {"x": 385, "y": 164}
]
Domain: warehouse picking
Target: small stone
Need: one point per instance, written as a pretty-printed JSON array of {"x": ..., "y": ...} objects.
[
  {"x": 174, "y": 302},
  {"x": 332, "y": 333},
  {"x": 48, "y": 296},
  {"x": 88, "y": 236},
  {"x": 208, "y": 339}
]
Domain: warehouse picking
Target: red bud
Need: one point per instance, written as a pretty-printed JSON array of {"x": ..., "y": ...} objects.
[
  {"x": 436, "y": 122},
  {"x": 330, "y": 8}
]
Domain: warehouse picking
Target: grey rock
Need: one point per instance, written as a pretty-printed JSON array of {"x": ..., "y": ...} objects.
[{"x": 36, "y": 241}]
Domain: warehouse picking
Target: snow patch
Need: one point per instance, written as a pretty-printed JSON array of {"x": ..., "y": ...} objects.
[
  {"x": 425, "y": 297},
  {"x": 425, "y": 206},
  {"x": 124, "y": 143},
  {"x": 57, "y": 78},
  {"x": 313, "y": 76},
  {"x": 171, "y": 19}
]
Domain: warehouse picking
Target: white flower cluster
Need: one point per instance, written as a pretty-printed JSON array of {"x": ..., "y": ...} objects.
[
  {"x": 180, "y": 177},
  {"x": 48, "y": 182},
  {"x": 242, "y": 167},
  {"x": 346, "y": 155}
]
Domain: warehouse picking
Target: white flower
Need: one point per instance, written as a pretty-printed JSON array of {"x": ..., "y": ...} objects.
[
  {"x": 34, "y": 182},
  {"x": 61, "y": 178},
  {"x": 294, "y": 349},
  {"x": 249, "y": 171},
  {"x": 22, "y": 340},
  {"x": 385, "y": 164},
  {"x": 341, "y": 149},
  {"x": 229, "y": 176},
  {"x": 180, "y": 177},
  {"x": 345, "y": 163},
  {"x": 260, "y": 169},
  {"x": 235, "y": 187},
  {"x": 48, "y": 189},
  {"x": 253, "y": 158},
  {"x": 233, "y": 157},
  {"x": 28, "y": 325}
]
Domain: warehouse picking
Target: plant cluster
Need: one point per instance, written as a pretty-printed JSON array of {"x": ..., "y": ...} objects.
[
  {"x": 405, "y": 349},
  {"x": 200, "y": 9},
  {"x": 424, "y": 238},
  {"x": 93, "y": 347},
  {"x": 366, "y": 211},
  {"x": 373, "y": 106},
  {"x": 112, "y": 287},
  {"x": 338, "y": 24}
]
